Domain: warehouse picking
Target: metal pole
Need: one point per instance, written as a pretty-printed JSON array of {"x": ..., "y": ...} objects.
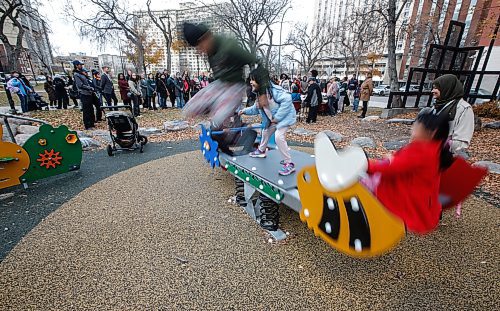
[
  {"x": 488, "y": 53},
  {"x": 121, "y": 58},
  {"x": 279, "y": 48}
]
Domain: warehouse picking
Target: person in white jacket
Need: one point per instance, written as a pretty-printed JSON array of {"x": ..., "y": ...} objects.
[
  {"x": 135, "y": 93},
  {"x": 448, "y": 93}
]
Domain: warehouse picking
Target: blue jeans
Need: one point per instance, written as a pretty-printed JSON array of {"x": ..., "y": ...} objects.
[
  {"x": 180, "y": 101},
  {"x": 163, "y": 102},
  {"x": 355, "y": 104},
  {"x": 24, "y": 102}
]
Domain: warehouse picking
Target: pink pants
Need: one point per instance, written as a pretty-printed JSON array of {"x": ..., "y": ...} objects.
[{"x": 280, "y": 137}]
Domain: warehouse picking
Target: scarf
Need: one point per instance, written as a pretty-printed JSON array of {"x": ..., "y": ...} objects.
[{"x": 452, "y": 91}]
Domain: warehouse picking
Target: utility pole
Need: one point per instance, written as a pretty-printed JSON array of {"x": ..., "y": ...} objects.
[
  {"x": 198, "y": 63},
  {"x": 279, "y": 48},
  {"x": 121, "y": 57}
]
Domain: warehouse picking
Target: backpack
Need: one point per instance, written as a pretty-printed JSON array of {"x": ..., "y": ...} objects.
[{"x": 12, "y": 88}]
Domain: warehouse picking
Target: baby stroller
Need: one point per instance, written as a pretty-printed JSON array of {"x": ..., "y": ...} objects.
[
  {"x": 123, "y": 130},
  {"x": 36, "y": 102}
]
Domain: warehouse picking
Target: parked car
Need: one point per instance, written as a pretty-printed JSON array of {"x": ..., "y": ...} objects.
[
  {"x": 382, "y": 90},
  {"x": 413, "y": 88},
  {"x": 480, "y": 101},
  {"x": 323, "y": 95}
]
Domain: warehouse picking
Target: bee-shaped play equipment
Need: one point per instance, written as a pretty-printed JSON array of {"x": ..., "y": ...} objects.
[
  {"x": 328, "y": 193},
  {"x": 339, "y": 209}
]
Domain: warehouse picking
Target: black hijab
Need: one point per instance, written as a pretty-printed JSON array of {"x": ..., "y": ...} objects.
[{"x": 451, "y": 90}]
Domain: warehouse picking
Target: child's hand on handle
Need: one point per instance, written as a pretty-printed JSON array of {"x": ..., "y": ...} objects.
[{"x": 240, "y": 112}]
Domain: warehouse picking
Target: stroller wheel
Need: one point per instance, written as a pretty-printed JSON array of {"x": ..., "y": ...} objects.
[{"x": 110, "y": 150}]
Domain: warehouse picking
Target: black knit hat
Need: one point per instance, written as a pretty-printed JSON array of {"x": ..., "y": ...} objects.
[{"x": 193, "y": 33}]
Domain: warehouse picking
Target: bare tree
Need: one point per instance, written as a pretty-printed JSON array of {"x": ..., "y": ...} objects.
[
  {"x": 11, "y": 12},
  {"x": 165, "y": 29},
  {"x": 309, "y": 46},
  {"x": 359, "y": 34},
  {"x": 251, "y": 22},
  {"x": 108, "y": 18},
  {"x": 389, "y": 11},
  {"x": 152, "y": 53}
]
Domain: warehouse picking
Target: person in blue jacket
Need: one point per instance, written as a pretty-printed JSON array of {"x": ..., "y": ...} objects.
[
  {"x": 278, "y": 114},
  {"x": 16, "y": 85}
]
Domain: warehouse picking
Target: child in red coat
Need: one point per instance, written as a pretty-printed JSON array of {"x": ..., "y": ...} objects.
[{"x": 408, "y": 182}]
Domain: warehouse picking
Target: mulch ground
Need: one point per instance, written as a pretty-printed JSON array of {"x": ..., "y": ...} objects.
[{"x": 485, "y": 145}]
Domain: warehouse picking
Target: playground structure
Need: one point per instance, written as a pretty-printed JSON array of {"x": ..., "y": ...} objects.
[
  {"x": 51, "y": 151},
  {"x": 327, "y": 194}
]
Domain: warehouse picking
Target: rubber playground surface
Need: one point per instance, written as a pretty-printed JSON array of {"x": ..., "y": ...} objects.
[{"x": 162, "y": 235}]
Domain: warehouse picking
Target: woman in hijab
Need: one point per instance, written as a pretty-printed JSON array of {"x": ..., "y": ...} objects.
[{"x": 448, "y": 91}]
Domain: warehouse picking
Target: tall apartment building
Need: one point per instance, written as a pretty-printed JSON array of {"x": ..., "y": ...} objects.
[
  {"x": 116, "y": 63},
  {"x": 184, "y": 58},
  {"x": 64, "y": 63},
  {"x": 335, "y": 14},
  {"x": 431, "y": 19},
  {"x": 423, "y": 22},
  {"x": 37, "y": 57}
]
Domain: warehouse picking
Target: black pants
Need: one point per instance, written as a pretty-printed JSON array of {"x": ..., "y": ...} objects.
[
  {"x": 346, "y": 102},
  {"x": 62, "y": 102},
  {"x": 75, "y": 102},
  {"x": 88, "y": 110},
  {"x": 140, "y": 101},
  {"x": 313, "y": 113},
  {"x": 150, "y": 102},
  {"x": 172, "y": 96},
  {"x": 135, "y": 105},
  {"x": 153, "y": 101},
  {"x": 365, "y": 108},
  {"x": 97, "y": 104},
  {"x": 332, "y": 105},
  {"x": 109, "y": 98}
]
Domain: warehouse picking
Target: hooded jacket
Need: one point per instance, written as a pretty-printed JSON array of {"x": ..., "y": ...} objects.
[
  {"x": 409, "y": 184},
  {"x": 228, "y": 59},
  {"x": 281, "y": 108}
]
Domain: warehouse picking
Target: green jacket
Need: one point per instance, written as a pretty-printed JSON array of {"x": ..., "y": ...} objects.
[{"x": 228, "y": 59}]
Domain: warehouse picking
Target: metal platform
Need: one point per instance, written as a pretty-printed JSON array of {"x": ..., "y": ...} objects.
[
  {"x": 261, "y": 179},
  {"x": 267, "y": 168}
]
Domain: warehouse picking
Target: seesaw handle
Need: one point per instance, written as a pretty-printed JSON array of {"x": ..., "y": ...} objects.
[{"x": 235, "y": 129}]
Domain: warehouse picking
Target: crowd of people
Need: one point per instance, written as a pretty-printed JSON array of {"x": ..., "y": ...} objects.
[
  {"x": 437, "y": 133},
  {"x": 152, "y": 91},
  {"x": 339, "y": 93}
]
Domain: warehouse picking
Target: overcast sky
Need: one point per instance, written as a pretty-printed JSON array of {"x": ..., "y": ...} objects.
[{"x": 64, "y": 36}]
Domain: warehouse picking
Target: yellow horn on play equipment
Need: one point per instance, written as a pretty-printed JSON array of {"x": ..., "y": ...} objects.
[
  {"x": 14, "y": 162},
  {"x": 352, "y": 220}
]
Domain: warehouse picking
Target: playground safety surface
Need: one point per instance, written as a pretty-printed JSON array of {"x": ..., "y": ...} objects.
[{"x": 163, "y": 236}]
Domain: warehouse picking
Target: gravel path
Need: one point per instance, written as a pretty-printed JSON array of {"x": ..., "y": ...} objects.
[
  {"x": 161, "y": 236},
  {"x": 21, "y": 210}
]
